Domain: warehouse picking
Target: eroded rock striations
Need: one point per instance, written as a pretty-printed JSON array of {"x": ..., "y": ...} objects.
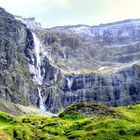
[{"x": 73, "y": 64}]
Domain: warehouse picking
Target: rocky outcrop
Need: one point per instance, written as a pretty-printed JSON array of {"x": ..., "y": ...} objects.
[{"x": 90, "y": 110}]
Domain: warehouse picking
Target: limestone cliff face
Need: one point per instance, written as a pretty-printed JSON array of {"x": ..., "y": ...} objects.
[{"x": 15, "y": 82}]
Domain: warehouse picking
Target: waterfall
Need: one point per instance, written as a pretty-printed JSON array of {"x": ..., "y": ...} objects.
[
  {"x": 41, "y": 104},
  {"x": 69, "y": 82},
  {"x": 37, "y": 50},
  {"x": 38, "y": 76},
  {"x": 64, "y": 55}
]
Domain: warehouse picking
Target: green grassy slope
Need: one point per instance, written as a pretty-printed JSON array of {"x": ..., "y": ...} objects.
[{"x": 79, "y": 122}]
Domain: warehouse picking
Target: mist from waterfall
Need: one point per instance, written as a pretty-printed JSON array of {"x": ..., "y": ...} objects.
[{"x": 38, "y": 76}]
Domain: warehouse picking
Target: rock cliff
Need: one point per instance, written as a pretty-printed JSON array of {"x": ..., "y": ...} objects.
[{"x": 15, "y": 82}]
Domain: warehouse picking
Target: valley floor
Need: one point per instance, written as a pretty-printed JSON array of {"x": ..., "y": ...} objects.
[{"x": 84, "y": 121}]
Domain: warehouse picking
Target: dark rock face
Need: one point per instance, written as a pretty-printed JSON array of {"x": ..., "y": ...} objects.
[
  {"x": 49, "y": 72},
  {"x": 15, "y": 83},
  {"x": 117, "y": 89}
]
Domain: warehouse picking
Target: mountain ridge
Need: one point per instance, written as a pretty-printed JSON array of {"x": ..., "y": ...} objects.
[{"x": 98, "y": 25}]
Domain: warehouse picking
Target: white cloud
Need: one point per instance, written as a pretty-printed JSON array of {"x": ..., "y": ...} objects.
[{"x": 59, "y": 12}]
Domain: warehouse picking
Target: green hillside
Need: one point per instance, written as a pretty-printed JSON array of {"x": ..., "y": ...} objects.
[{"x": 80, "y": 122}]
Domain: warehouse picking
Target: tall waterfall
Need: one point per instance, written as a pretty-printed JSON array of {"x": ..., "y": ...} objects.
[{"x": 38, "y": 76}]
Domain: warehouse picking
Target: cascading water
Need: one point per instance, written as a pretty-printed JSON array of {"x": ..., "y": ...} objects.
[
  {"x": 64, "y": 55},
  {"x": 37, "y": 49},
  {"x": 41, "y": 104},
  {"x": 38, "y": 76},
  {"x": 69, "y": 82},
  {"x": 69, "y": 85}
]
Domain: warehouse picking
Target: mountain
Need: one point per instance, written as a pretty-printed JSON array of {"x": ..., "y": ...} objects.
[{"x": 54, "y": 68}]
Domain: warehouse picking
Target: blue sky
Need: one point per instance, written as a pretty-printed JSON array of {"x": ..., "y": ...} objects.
[{"x": 70, "y": 12}]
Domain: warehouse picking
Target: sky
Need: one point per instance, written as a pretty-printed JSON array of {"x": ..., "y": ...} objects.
[{"x": 71, "y": 12}]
